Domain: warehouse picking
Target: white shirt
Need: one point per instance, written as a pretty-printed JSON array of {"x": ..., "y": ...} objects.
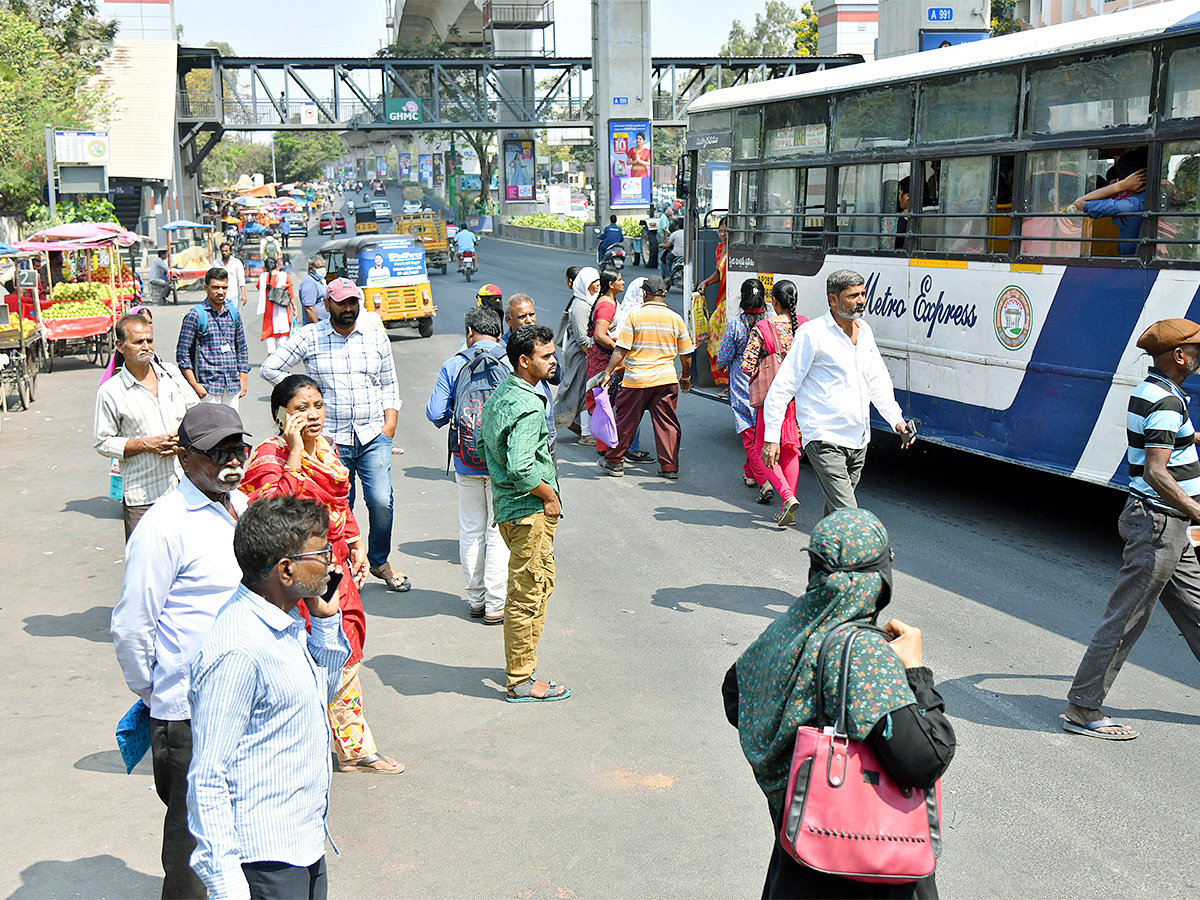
[
  {"x": 179, "y": 571},
  {"x": 834, "y": 383},
  {"x": 237, "y": 275},
  {"x": 125, "y": 410}
]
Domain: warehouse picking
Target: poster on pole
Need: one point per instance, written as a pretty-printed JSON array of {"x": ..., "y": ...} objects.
[
  {"x": 405, "y": 166},
  {"x": 629, "y": 157},
  {"x": 425, "y": 167},
  {"x": 518, "y": 170},
  {"x": 437, "y": 170}
]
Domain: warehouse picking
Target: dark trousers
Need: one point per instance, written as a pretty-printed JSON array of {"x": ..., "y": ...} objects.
[
  {"x": 279, "y": 881},
  {"x": 133, "y": 515},
  {"x": 660, "y": 402},
  {"x": 171, "y": 753}
]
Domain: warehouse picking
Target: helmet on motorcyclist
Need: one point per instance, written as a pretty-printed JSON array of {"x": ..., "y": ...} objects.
[{"x": 491, "y": 297}]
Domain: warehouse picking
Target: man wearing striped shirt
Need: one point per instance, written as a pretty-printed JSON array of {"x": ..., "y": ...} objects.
[
  {"x": 649, "y": 343},
  {"x": 258, "y": 787},
  {"x": 1159, "y": 560}
]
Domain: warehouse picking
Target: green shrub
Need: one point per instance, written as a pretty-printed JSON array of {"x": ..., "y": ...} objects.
[{"x": 548, "y": 222}]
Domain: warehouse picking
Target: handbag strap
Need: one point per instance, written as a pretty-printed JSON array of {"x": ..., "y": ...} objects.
[{"x": 843, "y": 677}]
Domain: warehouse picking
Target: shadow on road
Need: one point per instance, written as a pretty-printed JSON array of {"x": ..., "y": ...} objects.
[
  {"x": 754, "y": 601},
  {"x": 446, "y": 550},
  {"x": 91, "y": 876},
  {"x": 415, "y": 604},
  {"x": 417, "y": 678},
  {"x": 91, "y": 625},
  {"x": 713, "y": 517},
  {"x": 96, "y": 507},
  {"x": 427, "y": 473},
  {"x": 111, "y": 763}
]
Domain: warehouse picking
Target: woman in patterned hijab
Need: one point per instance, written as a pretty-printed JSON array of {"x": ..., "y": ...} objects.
[{"x": 770, "y": 691}]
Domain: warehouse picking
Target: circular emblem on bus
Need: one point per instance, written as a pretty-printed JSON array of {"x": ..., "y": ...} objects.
[{"x": 1013, "y": 318}]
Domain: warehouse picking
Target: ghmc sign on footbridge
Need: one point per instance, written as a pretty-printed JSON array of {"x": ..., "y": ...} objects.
[{"x": 279, "y": 94}]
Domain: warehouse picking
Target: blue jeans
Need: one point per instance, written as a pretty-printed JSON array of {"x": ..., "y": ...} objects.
[{"x": 373, "y": 463}]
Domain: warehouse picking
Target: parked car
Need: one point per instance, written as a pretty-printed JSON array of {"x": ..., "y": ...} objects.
[
  {"x": 299, "y": 223},
  {"x": 331, "y": 222}
]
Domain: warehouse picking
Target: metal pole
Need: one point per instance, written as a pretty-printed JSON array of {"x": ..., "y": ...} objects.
[
  {"x": 50, "y": 170},
  {"x": 274, "y": 177}
]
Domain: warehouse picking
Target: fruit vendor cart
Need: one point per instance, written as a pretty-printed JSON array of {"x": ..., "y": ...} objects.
[
  {"x": 80, "y": 317},
  {"x": 21, "y": 345}
]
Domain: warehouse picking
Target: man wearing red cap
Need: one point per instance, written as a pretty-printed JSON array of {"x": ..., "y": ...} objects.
[
  {"x": 1159, "y": 561},
  {"x": 352, "y": 361}
]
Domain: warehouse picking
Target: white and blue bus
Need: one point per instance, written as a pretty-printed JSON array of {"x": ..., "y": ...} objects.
[{"x": 1008, "y": 319}]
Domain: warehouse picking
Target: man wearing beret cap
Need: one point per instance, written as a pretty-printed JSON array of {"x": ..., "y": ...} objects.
[{"x": 1160, "y": 562}]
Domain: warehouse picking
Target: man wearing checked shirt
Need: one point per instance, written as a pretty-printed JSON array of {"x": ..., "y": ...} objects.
[{"x": 352, "y": 361}]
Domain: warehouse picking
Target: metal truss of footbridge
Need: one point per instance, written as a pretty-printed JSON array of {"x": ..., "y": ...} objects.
[{"x": 280, "y": 94}]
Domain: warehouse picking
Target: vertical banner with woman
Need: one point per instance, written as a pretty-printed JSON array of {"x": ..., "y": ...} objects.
[
  {"x": 630, "y": 160},
  {"x": 518, "y": 170}
]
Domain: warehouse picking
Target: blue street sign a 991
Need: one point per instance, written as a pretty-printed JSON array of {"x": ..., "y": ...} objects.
[{"x": 941, "y": 14}]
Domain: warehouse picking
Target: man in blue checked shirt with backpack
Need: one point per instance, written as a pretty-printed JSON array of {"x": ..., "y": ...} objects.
[
  {"x": 465, "y": 382},
  {"x": 212, "y": 353}
]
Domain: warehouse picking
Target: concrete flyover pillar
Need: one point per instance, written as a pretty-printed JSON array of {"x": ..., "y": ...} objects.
[{"x": 621, "y": 106}]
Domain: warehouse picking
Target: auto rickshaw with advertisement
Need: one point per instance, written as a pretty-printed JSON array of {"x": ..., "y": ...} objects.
[
  {"x": 432, "y": 231},
  {"x": 390, "y": 269}
]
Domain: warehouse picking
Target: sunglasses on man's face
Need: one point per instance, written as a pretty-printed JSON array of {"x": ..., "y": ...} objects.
[{"x": 220, "y": 455}]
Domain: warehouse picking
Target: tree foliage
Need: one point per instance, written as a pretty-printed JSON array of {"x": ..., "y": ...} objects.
[
  {"x": 779, "y": 30},
  {"x": 88, "y": 209},
  {"x": 1004, "y": 18},
  {"x": 49, "y": 49},
  {"x": 302, "y": 155},
  {"x": 232, "y": 157}
]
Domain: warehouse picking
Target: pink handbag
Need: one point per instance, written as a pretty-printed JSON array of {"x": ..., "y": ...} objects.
[
  {"x": 604, "y": 420},
  {"x": 843, "y": 813},
  {"x": 768, "y": 366}
]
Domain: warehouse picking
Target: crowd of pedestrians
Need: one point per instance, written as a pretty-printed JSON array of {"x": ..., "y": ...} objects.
[{"x": 240, "y": 624}]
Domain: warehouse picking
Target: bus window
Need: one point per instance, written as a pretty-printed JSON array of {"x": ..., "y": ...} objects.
[
  {"x": 795, "y": 128},
  {"x": 1091, "y": 95},
  {"x": 955, "y": 203},
  {"x": 777, "y": 223},
  {"x": 1054, "y": 178},
  {"x": 1183, "y": 84},
  {"x": 871, "y": 119},
  {"x": 869, "y": 209},
  {"x": 744, "y": 220},
  {"x": 1177, "y": 194},
  {"x": 812, "y": 199},
  {"x": 746, "y": 127},
  {"x": 971, "y": 108}
]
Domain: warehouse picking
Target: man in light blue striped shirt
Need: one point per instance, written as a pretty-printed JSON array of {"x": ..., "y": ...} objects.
[
  {"x": 258, "y": 788},
  {"x": 1164, "y": 500}
]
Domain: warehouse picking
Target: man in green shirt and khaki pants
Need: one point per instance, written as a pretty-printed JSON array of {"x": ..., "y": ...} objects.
[{"x": 525, "y": 504}]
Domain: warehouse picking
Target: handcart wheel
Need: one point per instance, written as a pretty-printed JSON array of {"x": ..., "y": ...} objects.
[
  {"x": 22, "y": 392},
  {"x": 104, "y": 352},
  {"x": 49, "y": 356},
  {"x": 93, "y": 348},
  {"x": 31, "y": 377}
]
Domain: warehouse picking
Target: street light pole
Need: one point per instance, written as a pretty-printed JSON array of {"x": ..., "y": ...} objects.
[{"x": 50, "y": 170}]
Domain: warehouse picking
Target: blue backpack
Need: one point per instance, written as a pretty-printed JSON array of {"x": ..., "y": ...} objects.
[
  {"x": 202, "y": 328},
  {"x": 475, "y": 382}
]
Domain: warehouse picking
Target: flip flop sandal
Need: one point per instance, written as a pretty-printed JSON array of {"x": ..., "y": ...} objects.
[
  {"x": 766, "y": 495},
  {"x": 641, "y": 456},
  {"x": 366, "y": 764},
  {"x": 539, "y": 691},
  {"x": 1090, "y": 729},
  {"x": 788, "y": 515},
  {"x": 749, "y": 482},
  {"x": 393, "y": 581}
]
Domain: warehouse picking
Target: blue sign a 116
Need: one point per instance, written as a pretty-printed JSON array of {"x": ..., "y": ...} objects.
[{"x": 941, "y": 14}]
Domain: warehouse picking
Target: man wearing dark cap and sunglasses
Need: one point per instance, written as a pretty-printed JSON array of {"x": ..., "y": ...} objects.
[
  {"x": 1164, "y": 500},
  {"x": 179, "y": 570}
]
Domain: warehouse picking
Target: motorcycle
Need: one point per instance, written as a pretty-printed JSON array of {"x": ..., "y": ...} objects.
[
  {"x": 614, "y": 258},
  {"x": 675, "y": 275},
  {"x": 160, "y": 291},
  {"x": 467, "y": 260}
]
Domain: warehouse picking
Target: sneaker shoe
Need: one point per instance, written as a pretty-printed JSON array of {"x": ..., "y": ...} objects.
[
  {"x": 476, "y": 612},
  {"x": 616, "y": 470},
  {"x": 670, "y": 475}
]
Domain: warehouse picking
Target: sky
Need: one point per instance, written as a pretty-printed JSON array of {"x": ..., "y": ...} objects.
[{"x": 307, "y": 28}]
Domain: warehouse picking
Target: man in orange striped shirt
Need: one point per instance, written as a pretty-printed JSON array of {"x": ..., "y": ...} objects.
[{"x": 652, "y": 338}]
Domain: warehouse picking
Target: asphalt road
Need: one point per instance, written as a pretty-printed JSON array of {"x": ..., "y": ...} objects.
[{"x": 636, "y": 786}]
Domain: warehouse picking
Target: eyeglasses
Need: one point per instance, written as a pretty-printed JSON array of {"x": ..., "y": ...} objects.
[
  {"x": 324, "y": 555},
  {"x": 219, "y": 455}
]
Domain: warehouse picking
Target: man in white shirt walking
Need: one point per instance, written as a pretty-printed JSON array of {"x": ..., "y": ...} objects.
[
  {"x": 237, "y": 274},
  {"x": 835, "y": 372},
  {"x": 179, "y": 571}
]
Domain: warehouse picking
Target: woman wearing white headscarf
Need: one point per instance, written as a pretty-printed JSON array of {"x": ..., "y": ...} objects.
[{"x": 568, "y": 402}]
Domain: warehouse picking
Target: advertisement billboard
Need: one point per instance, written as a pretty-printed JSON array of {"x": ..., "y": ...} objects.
[
  {"x": 518, "y": 170},
  {"x": 401, "y": 110},
  {"x": 381, "y": 167},
  {"x": 360, "y": 168},
  {"x": 629, "y": 158},
  {"x": 425, "y": 168},
  {"x": 405, "y": 166},
  {"x": 936, "y": 40},
  {"x": 437, "y": 169},
  {"x": 393, "y": 263}
]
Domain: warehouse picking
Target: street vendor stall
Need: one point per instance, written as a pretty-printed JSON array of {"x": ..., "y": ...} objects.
[
  {"x": 22, "y": 348},
  {"x": 80, "y": 316},
  {"x": 190, "y": 249}
]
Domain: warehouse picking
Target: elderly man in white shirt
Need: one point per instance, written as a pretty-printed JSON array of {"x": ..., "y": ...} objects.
[
  {"x": 835, "y": 372},
  {"x": 179, "y": 571}
]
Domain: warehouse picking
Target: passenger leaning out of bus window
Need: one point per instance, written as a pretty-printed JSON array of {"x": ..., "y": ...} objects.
[{"x": 1123, "y": 199}]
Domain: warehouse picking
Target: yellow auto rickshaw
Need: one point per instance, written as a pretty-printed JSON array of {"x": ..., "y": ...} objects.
[{"x": 390, "y": 269}]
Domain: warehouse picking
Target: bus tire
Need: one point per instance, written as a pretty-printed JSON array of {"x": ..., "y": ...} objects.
[{"x": 425, "y": 327}]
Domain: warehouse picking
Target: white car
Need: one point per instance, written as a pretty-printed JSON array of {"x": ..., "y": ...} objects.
[
  {"x": 382, "y": 208},
  {"x": 411, "y": 206}
]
